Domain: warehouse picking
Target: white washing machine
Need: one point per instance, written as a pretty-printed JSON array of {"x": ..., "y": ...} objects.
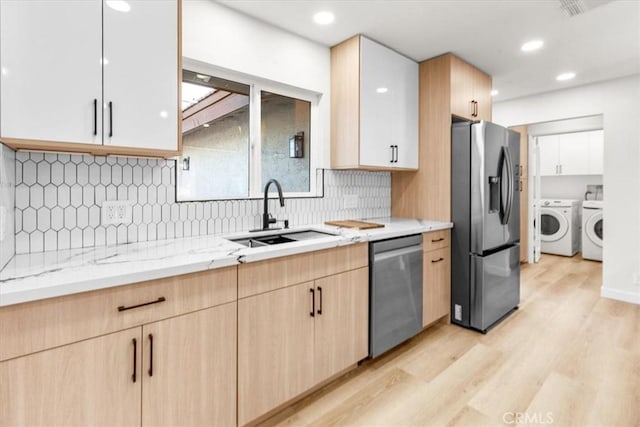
[
  {"x": 560, "y": 226},
  {"x": 592, "y": 232}
]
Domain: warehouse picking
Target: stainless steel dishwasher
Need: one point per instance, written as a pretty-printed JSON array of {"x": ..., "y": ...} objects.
[{"x": 395, "y": 281}]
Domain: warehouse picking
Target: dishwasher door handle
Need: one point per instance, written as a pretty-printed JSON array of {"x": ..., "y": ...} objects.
[{"x": 396, "y": 253}]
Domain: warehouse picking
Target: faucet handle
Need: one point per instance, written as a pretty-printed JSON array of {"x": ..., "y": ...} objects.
[{"x": 272, "y": 220}]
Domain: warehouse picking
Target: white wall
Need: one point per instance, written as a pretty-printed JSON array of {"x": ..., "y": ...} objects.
[
  {"x": 568, "y": 186},
  {"x": 617, "y": 100},
  {"x": 217, "y": 35}
]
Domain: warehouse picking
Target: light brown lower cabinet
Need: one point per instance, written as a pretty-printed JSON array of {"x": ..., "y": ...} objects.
[
  {"x": 178, "y": 371},
  {"x": 189, "y": 369},
  {"x": 293, "y": 338},
  {"x": 87, "y": 383},
  {"x": 436, "y": 279}
]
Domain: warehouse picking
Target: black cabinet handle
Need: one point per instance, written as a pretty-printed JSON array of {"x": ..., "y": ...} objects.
[
  {"x": 95, "y": 116},
  {"x": 123, "y": 308},
  {"x": 320, "y": 293},
  {"x": 396, "y": 160},
  {"x": 110, "y": 119},
  {"x": 391, "y": 161},
  {"x": 150, "y": 355},
  {"x": 313, "y": 303},
  {"x": 135, "y": 351},
  {"x": 437, "y": 240},
  {"x": 437, "y": 260}
]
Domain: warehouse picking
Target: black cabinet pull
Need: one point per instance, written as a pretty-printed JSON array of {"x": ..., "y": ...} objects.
[
  {"x": 135, "y": 365},
  {"x": 396, "y": 158},
  {"x": 437, "y": 260},
  {"x": 392, "y": 152},
  {"x": 123, "y": 308},
  {"x": 150, "y": 355},
  {"x": 95, "y": 116},
  {"x": 320, "y": 294},
  {"x": 110, "y": 119},
  {"x": 313, "y": 303},
  {"x": 437, "y": 240}
]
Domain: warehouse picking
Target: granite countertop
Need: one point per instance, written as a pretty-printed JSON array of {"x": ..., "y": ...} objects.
[{"x": 32, "y": 277}]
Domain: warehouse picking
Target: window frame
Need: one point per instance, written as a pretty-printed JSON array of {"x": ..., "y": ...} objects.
[{"x": 258, "y": 85}]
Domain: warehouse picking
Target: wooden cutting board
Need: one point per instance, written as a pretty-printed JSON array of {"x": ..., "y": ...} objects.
[{"x": 352, "y": 223}]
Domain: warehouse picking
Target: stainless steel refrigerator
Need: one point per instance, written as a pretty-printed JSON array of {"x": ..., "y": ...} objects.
[{"x": 485, "y": 247}]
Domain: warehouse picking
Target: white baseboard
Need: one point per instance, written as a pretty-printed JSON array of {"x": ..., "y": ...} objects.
[{"x": 625, "y": 296}]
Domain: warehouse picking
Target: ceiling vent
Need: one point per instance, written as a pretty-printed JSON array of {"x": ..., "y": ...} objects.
[{"x": 573, "y": 8}]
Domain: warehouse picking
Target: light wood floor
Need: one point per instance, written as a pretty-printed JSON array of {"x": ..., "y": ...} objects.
[{"x": 567, "y": 357}]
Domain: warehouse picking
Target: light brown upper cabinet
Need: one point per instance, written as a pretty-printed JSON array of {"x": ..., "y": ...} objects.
[
  {"x": 76, "y": 76},
  {"x": 470, "y": 91},
  {"x": 447, "y": 87},
  {"x": 374, "y": 107}
]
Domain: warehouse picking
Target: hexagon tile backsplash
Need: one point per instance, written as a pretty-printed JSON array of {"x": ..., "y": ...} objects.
[{"x": 58, "y": 199}]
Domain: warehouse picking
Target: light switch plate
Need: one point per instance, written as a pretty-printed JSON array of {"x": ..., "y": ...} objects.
[{"x": 116, "y": 212}]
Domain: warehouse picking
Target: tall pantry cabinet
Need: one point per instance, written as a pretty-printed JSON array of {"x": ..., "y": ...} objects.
[
  {"x": 91, "y": 76},
  {"x": 448, "y": 87}
]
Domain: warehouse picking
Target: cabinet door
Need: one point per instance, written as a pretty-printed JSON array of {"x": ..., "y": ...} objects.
[
  {"x": 50, "y": 54},
  {"x": 482, "y": 84},
  {"x": 548, "y": 155},
  {"x": 388, "y": 105},
  {"x": 275, "y": 349},
  {"x": 141, "y": 75},
  {"x": 342, "y": 322},
  {"x": 462, "y": 75},
  {"x": 573, "y": 153},
  {"x": 436, "y": 282},
  {"x": 87, "y": 383},
  {"x": 189, "y": 369},
  {"x": 596, "y": 151}
]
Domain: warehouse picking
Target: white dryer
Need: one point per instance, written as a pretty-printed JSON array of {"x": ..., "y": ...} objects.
[
  {"x": 560, "y": 226},
  {"x": 592, "y": 232}
]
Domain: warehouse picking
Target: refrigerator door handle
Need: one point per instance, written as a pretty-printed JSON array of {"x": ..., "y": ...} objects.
[{"x": 506, "y": 158}]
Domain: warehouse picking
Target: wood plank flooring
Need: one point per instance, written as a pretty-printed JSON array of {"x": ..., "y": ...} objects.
[{"x": 567, "y": 357}]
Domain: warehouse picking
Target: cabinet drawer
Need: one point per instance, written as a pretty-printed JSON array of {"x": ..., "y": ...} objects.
[
  {"x": 435, "y": 240},
  {"x": 268, "y": 275},
  {"x": 436, "y": 282},
  {"x": 35, "y": 326}
]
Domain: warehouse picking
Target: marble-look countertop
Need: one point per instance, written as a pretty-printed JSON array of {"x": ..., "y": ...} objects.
[{"x": 32, "y": 277}]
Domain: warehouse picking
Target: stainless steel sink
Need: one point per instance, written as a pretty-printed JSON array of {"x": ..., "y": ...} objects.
[{"x": 280, "y": 237}]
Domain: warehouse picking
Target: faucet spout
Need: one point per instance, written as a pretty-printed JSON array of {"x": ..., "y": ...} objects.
[{"x": 266, "y": 219}]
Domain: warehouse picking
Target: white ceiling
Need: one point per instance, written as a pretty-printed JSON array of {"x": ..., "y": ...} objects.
[{"x": 601, "y": 44}]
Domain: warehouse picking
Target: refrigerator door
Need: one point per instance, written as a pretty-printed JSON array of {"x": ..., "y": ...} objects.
[
  {"x": 495, "y": 210},
  {"x": 495, "y": 286}
]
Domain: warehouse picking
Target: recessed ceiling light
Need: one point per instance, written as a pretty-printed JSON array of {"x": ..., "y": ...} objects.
[
  {"x": 324, "y": 18},
  {"x": 119, "y": 5},
  {"x": 206, "y": 125},
  {"x": 565, "y": 76},
  {"x": 382, "y": 90},
  {"x": 494, "y": 92},
  {"x": 164, "y": 114},
  {"x": 532, "y": 45}
]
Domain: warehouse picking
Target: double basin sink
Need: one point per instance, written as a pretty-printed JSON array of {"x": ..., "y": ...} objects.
[{"x": 281, "y": 237}]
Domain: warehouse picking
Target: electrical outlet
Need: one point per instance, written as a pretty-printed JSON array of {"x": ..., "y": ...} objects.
[
  {"x": 116, "y": 212},
  {"x": 350, "y": 201}
]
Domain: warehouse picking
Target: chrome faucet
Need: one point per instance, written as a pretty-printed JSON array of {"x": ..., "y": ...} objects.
[{"x": 266, "y": 218}]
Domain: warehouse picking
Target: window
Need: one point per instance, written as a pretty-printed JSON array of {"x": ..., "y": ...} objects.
[{"x": 239, "y": 132}]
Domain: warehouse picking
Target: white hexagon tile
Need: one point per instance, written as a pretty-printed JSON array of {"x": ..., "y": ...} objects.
[
  {"x": 58, "y": 199},
  {"x": 7, "y": 202}
]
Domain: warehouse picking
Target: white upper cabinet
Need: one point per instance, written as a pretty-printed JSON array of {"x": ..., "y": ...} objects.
[
  {"x": 596, "y": 152},
  {"x": 374, "y": 107},
  {"x": 94, "y": 72},
  {"x": 140, "y": 75},
  {"x": 388, "y": 107},
  {"x": 51, "y": 79},
  {"x": 548, "y": 155},
  {"x": 578, "y": 153}
]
